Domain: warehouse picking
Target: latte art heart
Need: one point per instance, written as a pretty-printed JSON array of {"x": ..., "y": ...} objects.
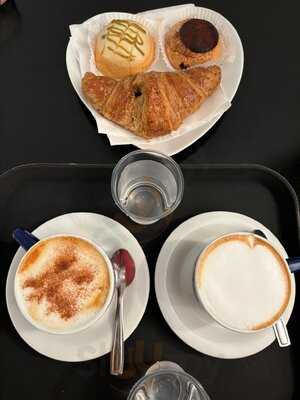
[{"x": 243, "y": 282}]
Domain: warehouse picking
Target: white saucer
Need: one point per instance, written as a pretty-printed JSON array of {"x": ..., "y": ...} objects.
[
  {"x": 96, "y": 340},
  {"x": 175, "y": 294}
]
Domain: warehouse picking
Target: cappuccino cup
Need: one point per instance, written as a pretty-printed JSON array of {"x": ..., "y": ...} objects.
[
  {"x": 63, "y": 283},
  {"x": 245, "y": 284}
]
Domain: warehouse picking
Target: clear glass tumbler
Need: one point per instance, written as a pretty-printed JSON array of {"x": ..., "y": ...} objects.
[
  {"x": 147, "y": 186},
  {"x": 167, "y": 381}
]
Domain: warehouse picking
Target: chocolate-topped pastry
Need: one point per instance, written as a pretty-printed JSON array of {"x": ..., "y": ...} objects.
[
  {"x": 192, "y": 42},
  {"x": 199, "y": 35}
]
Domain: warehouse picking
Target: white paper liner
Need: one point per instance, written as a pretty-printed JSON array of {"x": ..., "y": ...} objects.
[
  {"x": 224, "y": 27},
  {"x": 82, "y": 45}
]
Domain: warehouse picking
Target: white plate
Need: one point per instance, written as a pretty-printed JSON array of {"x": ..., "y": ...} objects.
[
  {"x": 96, "y": 340},
  {"x": 231, "y": 76},
  {"x": 175, "y": 294}
]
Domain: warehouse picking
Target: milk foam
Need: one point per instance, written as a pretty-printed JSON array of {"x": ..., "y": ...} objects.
[
  {"x": 244, "y": 284},
  {"x": 93, "y": 294}
]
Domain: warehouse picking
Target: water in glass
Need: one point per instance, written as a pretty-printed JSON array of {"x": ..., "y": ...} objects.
[{"x": 147, "y": 186}]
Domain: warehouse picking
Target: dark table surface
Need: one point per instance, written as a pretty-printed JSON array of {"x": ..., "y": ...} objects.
[{"x": 42, "y": 119}]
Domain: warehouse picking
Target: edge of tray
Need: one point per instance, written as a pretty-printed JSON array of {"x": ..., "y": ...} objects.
[{"x": 256, "y": 167}]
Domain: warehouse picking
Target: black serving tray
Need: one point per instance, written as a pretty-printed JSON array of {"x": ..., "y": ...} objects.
[{"x": 32, "y": 194}]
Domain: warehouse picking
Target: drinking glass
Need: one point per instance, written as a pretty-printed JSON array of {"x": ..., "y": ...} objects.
[
  {"x": 147, "y": 186},
  {"x": 167, "y": 381}
]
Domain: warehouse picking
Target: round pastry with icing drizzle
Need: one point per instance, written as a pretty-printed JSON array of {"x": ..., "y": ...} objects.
[{"x": 124, "y": 48}]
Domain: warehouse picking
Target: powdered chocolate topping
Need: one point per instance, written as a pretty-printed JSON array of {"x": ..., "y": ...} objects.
[
  {"x": 62, "y": 284},
  {"x": 67, "y": 277}
]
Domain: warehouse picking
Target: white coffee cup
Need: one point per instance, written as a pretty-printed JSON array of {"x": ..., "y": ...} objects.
[
  {"x": 20, "y": 300},
  {"x": 244, "y": 283}
]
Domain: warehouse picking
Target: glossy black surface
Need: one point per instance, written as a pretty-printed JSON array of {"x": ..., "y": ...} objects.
[
  {"x": 42, "y": 120},
  {"x": 33, "y": 194}
]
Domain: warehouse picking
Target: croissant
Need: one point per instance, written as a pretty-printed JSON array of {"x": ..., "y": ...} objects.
[{"x": 151, "y": 104}]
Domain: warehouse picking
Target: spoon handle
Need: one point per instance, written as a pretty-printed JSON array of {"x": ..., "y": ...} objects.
[
  {"x": 117, "y": 353},
  {"x": 281, "y": 333}
]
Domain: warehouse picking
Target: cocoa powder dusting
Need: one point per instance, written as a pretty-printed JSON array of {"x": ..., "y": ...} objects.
[{"x": 62, "y": 284}]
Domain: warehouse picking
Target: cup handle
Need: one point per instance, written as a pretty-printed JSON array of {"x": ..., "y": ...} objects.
[
  {"x": 24, "y": 238},
  {"x": 293, "y": 262},
  {"x": 281, "y": 333},
  {"x": 279, "y": 327}
]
